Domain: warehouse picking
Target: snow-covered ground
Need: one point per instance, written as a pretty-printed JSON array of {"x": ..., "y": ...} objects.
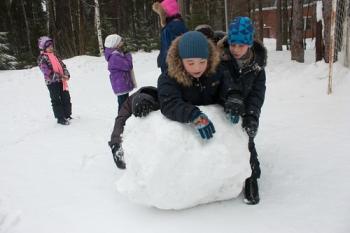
[{"x": 61, "y": 179}]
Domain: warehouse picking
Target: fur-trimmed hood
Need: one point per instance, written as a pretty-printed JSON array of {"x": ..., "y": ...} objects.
[
  {"x": 163, "y": 12},
  {"x": 176, "y": 69},
  {"x": 258, "y": 49},
  {"x": 156, "y": 7}
]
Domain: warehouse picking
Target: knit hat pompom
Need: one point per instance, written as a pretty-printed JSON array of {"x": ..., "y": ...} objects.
[
  {"x": 241, "y": 31},
  {"x": 112, "y": 41},
  {"x": 193, "y": 44}
]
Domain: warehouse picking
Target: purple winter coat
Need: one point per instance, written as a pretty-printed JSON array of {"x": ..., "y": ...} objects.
[
  {"x": 119, "y": 66},
  {"x": 46, "y": 67}
]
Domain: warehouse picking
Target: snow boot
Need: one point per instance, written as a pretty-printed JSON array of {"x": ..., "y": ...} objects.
[
  {"x": 251, "y": 191},
  {"x": 62, "y": 121},
  {"x": 118, "y": 157}
]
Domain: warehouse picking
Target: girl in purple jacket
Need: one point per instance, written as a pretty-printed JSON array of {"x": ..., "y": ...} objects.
[
  {"x": 120, "y": 68},
  {"x": 56, "y": 76}
]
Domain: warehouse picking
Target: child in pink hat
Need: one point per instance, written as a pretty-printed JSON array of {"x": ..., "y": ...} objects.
[{"x": 172, "y": 27}]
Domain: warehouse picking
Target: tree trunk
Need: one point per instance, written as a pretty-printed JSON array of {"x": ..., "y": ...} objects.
[
  {"x": 327, "y": 13},
  {"x": 27, "y": 28},
  {"x": 347, "y": 39},
  {"x": 98, "y": 27},
  {"x": 182, "y": 7},
  {"x": 51, "y": 12},
  {"x": 285, "y": 27},
  {"x": 279, "y": 26},
  {"x": 297, "y": 47},
  {"x": 72, "y": 27},
  {"x": 81, "y": 25},
  {"x": 319, "y": 41},
  {"x": 134, "y": 18}
]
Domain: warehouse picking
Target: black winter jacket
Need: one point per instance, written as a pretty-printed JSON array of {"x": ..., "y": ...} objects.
[
  {"x": 248, "y": 82},
  {"x": 179, "y": 102},
  {"x": 179, "y": 94}
]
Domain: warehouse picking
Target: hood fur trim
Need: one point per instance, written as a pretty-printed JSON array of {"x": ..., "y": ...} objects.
[
  {"x": 258, "y": 49},
  {"x": 177, "y": 70},
  {"x": 156, "y": 7}
]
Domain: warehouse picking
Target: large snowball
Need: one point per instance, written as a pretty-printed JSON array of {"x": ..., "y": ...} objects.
[{"x": 169, "y": 166}]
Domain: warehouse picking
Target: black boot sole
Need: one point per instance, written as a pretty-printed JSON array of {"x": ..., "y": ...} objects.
[{"x": 251, "y": 191}]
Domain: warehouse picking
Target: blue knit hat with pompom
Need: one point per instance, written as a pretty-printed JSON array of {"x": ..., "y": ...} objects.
[{"x": 241, "y": 31}]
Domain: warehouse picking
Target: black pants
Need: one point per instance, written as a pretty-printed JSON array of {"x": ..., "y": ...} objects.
[
  {"x": 254, "y": 162},
  {"x": 121, "y": 100},
  {"x": 60, "y": 100}
]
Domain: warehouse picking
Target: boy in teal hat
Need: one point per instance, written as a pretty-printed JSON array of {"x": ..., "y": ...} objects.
[{"x": 243, "y": 60}]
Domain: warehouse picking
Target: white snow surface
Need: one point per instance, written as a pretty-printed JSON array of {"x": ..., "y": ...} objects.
[
  {"x": 176, "y": 169},
  {"x": 59, "y": 179}
]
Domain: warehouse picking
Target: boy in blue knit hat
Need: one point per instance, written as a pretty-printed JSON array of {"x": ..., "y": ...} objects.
[
  {"x": 191, "y": 81},
  {"x": 243, "y": 61}
]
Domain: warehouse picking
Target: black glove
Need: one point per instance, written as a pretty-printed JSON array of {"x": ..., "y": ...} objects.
[
  {"x": 114, "y": 148},
  {"x": 118, "y": 155},
  {"x": 142, "y": 108},
  {"x": 234, "y": 105},
  {"x": 250, "y": 124}
]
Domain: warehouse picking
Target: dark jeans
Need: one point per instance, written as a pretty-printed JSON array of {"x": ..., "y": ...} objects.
[
  {"x": 254, "y": 162},
  {"x": 121, "y": 100},
  {"x": 60, "y": 100}
]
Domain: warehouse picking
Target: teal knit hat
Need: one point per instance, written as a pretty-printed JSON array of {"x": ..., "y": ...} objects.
[
  {"x": 241, "y": 31},
  {"x": 193, "y": 44}
]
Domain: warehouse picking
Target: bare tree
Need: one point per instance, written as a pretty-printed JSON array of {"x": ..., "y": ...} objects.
[
  {"x": 279, "y": 26},
  {"x": 98, "y": 27},
  {"x": 327, "y": 14},
  {"x": 319, "y": 41},
  {"x": 297, "y": 46},
  {"x": 27, "y": 28},
  {"x": 81, "y": 23},
  {"x": 72, "y": 26},
  {"x": 285, "y": 27}
]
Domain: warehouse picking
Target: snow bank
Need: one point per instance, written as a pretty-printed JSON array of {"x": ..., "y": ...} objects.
[{"x": 170, "y": 167}]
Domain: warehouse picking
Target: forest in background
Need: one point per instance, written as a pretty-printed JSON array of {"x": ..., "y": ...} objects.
[{"x": 73, "y": 24}]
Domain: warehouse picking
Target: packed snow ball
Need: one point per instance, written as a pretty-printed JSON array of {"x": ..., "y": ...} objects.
[{"x": 170, "y": 167}]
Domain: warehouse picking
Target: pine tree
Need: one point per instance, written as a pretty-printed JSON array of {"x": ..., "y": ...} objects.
[{"x": 7, "y": 61}]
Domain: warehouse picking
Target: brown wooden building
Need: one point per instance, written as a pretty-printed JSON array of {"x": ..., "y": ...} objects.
[{"x": 270, "y": 19}]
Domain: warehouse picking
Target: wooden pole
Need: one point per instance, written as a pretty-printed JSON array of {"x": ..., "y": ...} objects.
[{"x": 331, "y": 48}]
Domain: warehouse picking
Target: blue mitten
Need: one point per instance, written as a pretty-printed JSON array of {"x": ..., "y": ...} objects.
[{"x": 203, "y": 125}]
